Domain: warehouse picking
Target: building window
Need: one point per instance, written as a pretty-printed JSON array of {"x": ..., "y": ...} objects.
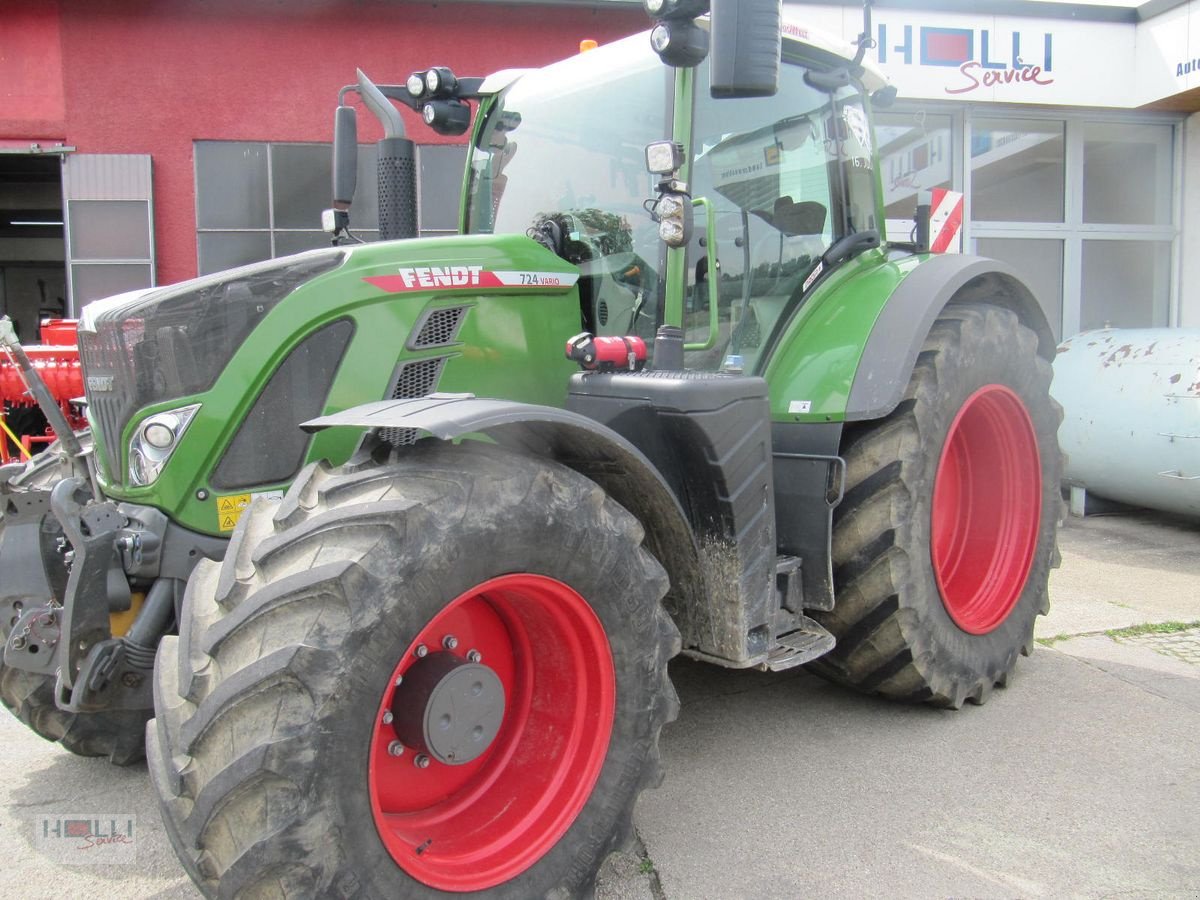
[
  {"x": 109, "y": 225},
  {"x": 1040, "y": 264},
  {"x": 1018, "y": 169},
  {"x": 916, "y": 154},
  {"x": 1125, "y": 283},
  {"x": 258, "y": 200},
  {"x": 1081, "y": 204},
  {"x": 1127, "y": 173}
]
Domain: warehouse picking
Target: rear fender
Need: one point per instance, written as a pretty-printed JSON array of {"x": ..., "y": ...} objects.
[
  {"x": 842, "y": 362},
  {"x": 594, "y": 451},
  {"x": 890, "y": 352},
  {"x": 846, "y": 352}
]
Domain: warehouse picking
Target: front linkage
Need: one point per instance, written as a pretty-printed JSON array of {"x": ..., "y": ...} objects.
[{"x": 91, "y": 587}]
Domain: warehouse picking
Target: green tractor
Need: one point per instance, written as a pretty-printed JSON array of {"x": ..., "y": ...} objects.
[{"x": 385, "y": 547}]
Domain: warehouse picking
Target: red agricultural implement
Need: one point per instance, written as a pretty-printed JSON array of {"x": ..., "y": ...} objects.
[{"x": 57, "y": 360}]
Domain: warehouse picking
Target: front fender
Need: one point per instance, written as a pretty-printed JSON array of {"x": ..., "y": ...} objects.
[{"x": 577, "y": 442}]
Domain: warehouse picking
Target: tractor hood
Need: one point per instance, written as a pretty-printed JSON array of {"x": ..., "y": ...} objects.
[
  {"x": 244, "y": 356},
  {"x": 145, "y": 347}
]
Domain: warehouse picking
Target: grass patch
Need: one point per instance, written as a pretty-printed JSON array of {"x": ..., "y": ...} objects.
[
  {"x": 1152, "y": 628},
  {"x": 646, "y": 866},
  {"x": 1051, "y": 641}
]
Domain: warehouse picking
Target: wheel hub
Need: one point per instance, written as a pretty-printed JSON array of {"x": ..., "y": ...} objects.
[{"x": 448, "y": 707}]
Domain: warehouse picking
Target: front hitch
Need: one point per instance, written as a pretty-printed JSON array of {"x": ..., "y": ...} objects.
[
  {"x": 72, "y": 640},
  {"x": 61, "y": 614}
]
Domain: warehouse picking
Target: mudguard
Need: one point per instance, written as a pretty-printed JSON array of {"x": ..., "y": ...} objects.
[
  {"x": 845, "y": 352},
  {"x": 575, "y": 441},
  {"x": 890, "y": 352}
]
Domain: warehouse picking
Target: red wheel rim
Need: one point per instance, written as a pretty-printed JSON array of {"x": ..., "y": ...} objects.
[
  {"x": 473, "y": 826},
  {"x": 987, "y": 509}
]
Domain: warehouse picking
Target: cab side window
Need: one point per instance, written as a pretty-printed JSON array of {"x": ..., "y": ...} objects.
[{"x": 773, "y": 171}]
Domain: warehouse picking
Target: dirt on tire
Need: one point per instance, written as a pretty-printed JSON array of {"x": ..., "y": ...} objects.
[
  {"x": 266, "y": 701},
  {"x": 894, "y": 634}
]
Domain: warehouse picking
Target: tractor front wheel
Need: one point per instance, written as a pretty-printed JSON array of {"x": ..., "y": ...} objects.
[
  {"x": 442, "y": 673},
  {"x": 944, "y": 541}
]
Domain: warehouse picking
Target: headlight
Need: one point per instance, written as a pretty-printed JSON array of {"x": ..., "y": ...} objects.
[
  {"x": 154, "y": 441},
  {"x": 673, "y": 210}
]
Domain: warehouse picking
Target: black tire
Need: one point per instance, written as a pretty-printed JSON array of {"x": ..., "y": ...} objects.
[
  {"x": 118, "y": 734},
  {"x": 268, "y": 702},
  {"x": 895, "y": 634}
]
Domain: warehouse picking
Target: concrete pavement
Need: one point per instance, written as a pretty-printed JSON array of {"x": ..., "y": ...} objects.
[{"x": 1079, "y": 780}]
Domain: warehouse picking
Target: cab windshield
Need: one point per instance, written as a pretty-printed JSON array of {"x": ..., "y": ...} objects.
[
  {"x": 562, "y": 156},
  {"x": 563, "y": 152}
]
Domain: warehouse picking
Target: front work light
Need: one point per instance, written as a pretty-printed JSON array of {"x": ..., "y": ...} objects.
[
  {"x": 447, "y": 116},
  {"x": 676, "y": 37},
  {"x": 675, "y": 9},
  {"x": 663, "y": 157},
  {"x": 440, "y": 82},
  {"x": 679, "y": 42}
]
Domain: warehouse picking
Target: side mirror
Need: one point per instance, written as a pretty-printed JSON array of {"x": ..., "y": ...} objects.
[
  {"x": 345, "y": 156},
  {"x": 746, "y": 43}
]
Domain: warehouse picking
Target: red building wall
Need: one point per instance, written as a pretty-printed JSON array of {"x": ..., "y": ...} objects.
[{"x": 152, "y": 77}]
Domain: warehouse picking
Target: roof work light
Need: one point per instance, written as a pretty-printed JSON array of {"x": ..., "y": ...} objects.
[{"x": 676, "y": 37}]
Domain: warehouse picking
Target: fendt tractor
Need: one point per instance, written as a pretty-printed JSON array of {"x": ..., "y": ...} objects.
[{"x": 379, "y": 552}]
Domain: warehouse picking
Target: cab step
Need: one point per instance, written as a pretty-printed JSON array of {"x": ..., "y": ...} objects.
[{"x": 798, "y": 647}]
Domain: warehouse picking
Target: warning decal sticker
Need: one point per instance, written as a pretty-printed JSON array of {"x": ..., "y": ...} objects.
[
  {"x": 230, "y": 509},
  {"x": 231, "y": 506}
]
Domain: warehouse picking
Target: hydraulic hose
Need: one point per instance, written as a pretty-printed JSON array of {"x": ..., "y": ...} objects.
[{"x": 141, "y": 641}]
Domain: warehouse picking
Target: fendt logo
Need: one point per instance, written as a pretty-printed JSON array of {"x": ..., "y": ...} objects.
[
  {"x": 427, "y": 278},
  {"x": 440, "y": 276}
]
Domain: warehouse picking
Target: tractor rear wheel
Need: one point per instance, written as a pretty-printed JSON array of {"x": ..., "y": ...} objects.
[
  {"x": 442, "y": 673},
  {"x": 944, "y": 541},
  {"x": 117, "y": 734}
]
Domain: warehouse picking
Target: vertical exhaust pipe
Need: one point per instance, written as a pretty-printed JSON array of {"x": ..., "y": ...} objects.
[
  {"x": 397, "y": 166},
  {"x": 397, "y": 189}
]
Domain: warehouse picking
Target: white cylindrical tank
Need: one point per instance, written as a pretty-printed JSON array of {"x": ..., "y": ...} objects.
[{"x": 1131, "y": 424}]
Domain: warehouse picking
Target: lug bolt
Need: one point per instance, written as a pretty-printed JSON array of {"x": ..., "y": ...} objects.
[
  {"x": 399, "y": 680},
  {"x": 18, "y": 643},
  {"x": 422, "y": 651},
  {"x": 395, "y": 748},
  {"x": 449, "y": 642},
  {"x": 387, "y": 717},
  {"x": 421, "y": 761},
  {"x": 474, "y": 656}
]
